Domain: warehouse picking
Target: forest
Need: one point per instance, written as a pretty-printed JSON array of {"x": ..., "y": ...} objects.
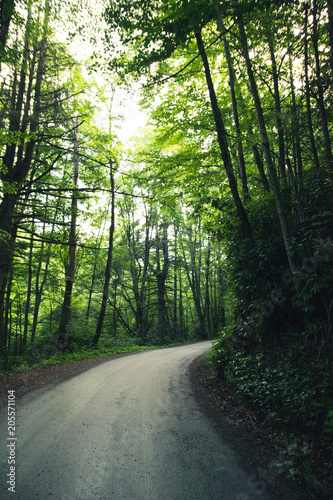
[{"x": 213, "y": 221}]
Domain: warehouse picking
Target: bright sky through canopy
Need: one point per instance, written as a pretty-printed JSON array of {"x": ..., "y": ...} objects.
[{"x": 125, "y": 104}]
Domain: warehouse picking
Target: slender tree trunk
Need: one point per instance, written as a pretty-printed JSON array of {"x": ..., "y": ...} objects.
[
  {"x": 131, "y": 242},
  {"x": 320, "y": 90},
  {"x": 70, "y": 268},
  {"x": 115, "y": 314},
  {"x": 330, "y": 29},
  {"x": 207, "y": 307},
  {"x": 8, "y": 316},
  {"x": 307, "y": 91},
  {"x": 223, "y": 144},
  {"x": 6, "y": 12},
  {"x": 39, "y": 286},
  {"x": 193, "y": 272},
  {"x": 29, "y": 289},
  {"x": 295, "y": 124},
  {"x": 282, "y": 167},
  {"x": 175, "y": 282},
  {"x": 16, "y": 172},
  {"x": 39, "y": 293},
  {"x": 142, "y": 298},
  {"x": 255, "y": 149},
  {"x": 161, "y": 322},
  {"x": 18, "y": 330},
  {"x": 181, "y": 306},
  {"x": 241, "y": 159},
  {"x": 91, "y": 289},
  {"x": 265, "y": 144},
  {"x": 108, "y": 267},
  {"x": 259, "y": 162},
  {"x": 260, "y": 167},
  {"x": 161, "y": 273}
]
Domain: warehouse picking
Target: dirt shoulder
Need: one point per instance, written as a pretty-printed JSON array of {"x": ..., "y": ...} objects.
[{"x": 28, "y": 381}]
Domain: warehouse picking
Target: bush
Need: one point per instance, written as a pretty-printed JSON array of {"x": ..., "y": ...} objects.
[{"x": 289, "y": 387}]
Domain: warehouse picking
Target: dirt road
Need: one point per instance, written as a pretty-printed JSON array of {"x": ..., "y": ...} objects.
[{"x": 128, "y": 429}]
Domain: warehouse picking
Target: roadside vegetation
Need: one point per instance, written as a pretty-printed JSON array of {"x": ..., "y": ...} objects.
[
  {"x": 39, "y": 356},
  {"x": 276, "y": 353}
]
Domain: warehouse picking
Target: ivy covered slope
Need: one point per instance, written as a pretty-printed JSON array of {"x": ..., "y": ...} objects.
[{"x": 240, "y": 102}]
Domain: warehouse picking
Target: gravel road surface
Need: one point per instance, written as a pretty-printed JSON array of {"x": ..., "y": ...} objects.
[{"x": 128, "y": 429}]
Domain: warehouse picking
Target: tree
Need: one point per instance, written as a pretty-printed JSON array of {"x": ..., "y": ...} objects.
[
  {"x": 222, "y": 140},
  {"x": 23, "y": 126},
  {"x": 241, "y": 159},
  {"x": 266, "y": 147},
  {"x": 6, "y": 12},
  {"x": 107, "y": 275},
  {"x": 171, "y": 31},
  {"x": 70, "y": 263},
  {"x": 193, "y": 271}
]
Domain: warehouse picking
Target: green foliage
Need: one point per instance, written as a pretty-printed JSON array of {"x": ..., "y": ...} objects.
[
  {"x": 289, "y": 388},
  {"x": 329, "y": 424},
  {"x": 44, "y": 352},
  {"x": 152, "y": 31},
  {"x": 276, "y": 353}
]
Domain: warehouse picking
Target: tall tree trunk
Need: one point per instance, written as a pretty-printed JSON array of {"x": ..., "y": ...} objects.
[
  {"x": 320, "y": 90},
  {"x": 93, "y": 276},
  {"x": 29, "y": 289},
  {"x": 39, "y": 292},
  {"x": 265, "y": 144},
  {"x": 91, "y": 289},
  {"x": 8, "y": 316},
  {"x": 307, "y": 91},
  {"x": 142, "y": 296},
  {"x": 115, "y": 314},
  {"x": 161, "y": 273},
  {"x": 193, "y": 272},
  {"x": 182, "y": 328},
  {"x": 16, "y": 172},
  {"x": 330, "y": 29},
  {"x": 295, "y": 124},
  {"x": 207, "y": 305},
  {"x": 161, "y": 320},
  {"x": 223, "y": 144},
  {"x": 70, "y": 268},
  {"x": 282, "y": 163},
  {"x": 6, "y": 12},
  {"x": 128, "y": 214},
  {"x": 175, "y": 281},
  {"x": 108, "y": 267},
  {"x": 260, "y": 165},
  {"x": 255, "y": 148},
  {"x": 242, "y": 169},
  {"x": 39, "y": 285}
]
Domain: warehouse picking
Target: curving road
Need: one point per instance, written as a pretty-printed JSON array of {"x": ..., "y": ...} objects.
[{"x": 128, "y": 429}]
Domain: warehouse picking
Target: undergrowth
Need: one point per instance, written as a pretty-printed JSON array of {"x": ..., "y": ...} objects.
[
  {"x": 291, "y": 389},
  {"x": 44, "y": 353}
]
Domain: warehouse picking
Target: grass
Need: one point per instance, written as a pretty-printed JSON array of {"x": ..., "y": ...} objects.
[{"x": 33, "y": 358}]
